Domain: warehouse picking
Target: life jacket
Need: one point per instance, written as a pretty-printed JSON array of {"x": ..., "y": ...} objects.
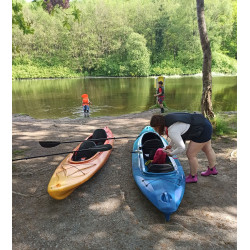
[
  {"x": 196, "y": 121},
  {"x": 85, "y": 99},
  {"x": 160, "y": 90}
]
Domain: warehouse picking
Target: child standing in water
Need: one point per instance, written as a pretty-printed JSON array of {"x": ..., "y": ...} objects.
[
  {"x": 85, "y": 103},
  {"x": 160, "y": 95}
]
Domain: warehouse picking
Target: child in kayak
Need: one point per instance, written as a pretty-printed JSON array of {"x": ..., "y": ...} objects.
[
  {"x": 85, "y": 103},
  {"x": 180, "y": 127},
  {"x": 160, "y": 95}
]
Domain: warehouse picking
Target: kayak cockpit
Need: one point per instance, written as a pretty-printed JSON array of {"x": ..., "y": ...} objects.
[
  {"x": 150, "y": 142},
  {"x": 96, "y": 139}
]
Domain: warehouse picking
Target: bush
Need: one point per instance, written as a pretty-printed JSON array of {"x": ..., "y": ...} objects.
[
  {"x": 223, "y": 63},
  {"x": 34, "y": 71},
  {"x": 138, "y": 56},
  {"x": 224, "y": 125}
]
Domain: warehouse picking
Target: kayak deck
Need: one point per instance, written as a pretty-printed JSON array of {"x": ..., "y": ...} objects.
[
  {"x": 71, "y": 174},
  {"x": 164, "y": 190}
]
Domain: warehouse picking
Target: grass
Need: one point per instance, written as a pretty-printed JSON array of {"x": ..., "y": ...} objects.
[
  {"x": 158, "y": 106},
  {"x": 225, "y": 124},
  {"x": 19, "y": 152}
]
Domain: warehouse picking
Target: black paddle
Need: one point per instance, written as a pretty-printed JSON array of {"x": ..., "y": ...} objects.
[
  {"x": 51, "y": 144},
  {"x": 96, "y": 149}
]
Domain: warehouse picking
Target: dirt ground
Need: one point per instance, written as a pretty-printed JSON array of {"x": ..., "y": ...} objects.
[{"x": 109, "y": 211}]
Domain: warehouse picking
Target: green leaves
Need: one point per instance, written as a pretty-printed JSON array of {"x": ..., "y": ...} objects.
[
  {"x": 123, "y": 38},
  {"x": 137, "y": 55},
  {"x": 18, "y": 19},
  {"x": 66, "y": 23},
  {"x": 76, "y": 13},
  {"x": 16, "y": 7}
]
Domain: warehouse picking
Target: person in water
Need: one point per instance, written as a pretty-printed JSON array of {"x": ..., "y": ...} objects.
[
  {"x": 180, "y": 127},
  {"x": 160, "y": 95},
  {"x": 85, "y": 103}
]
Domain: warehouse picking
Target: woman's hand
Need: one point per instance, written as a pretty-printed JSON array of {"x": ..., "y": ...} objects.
[
  {"x": 155, "y": 94},
  {"x": 167, "y": 151}
]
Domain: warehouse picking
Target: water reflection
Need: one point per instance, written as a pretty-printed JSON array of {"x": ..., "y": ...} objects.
[{"x": 115, "y": 96}]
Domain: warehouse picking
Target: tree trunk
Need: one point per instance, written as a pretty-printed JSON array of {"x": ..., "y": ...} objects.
[{"x": 206, "y": 100}]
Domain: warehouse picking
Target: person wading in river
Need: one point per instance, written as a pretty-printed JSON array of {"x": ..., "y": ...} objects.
[
  {"x": 180, "y": 127},
  {"x": 160, "y": 95},
  {"x": 85, "y": 103}
]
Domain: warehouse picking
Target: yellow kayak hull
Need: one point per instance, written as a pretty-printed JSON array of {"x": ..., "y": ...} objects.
[{"x": 71, "y": 174}]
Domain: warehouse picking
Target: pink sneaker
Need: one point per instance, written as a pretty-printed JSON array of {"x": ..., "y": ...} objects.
[
  {"x": 191, "y": 179},
  {"x": 210, "y": 171}
]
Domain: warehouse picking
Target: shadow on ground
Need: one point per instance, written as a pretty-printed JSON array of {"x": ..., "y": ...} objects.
[{"x": 109, "y": 211}]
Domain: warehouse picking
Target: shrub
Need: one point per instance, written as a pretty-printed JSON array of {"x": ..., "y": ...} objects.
[{"x": 138, "y": 56}]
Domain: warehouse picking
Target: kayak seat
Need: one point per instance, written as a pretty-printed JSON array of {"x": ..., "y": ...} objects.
[
  {"x": 99, "y": 133},
  {"x": 149, "y": 148},
  {"x": 77, "y": 156},
  {"x": 160, "y": 168},
  {"x": 149, "y": 136}
]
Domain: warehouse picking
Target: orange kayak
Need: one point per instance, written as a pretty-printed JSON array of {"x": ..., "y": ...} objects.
[{"x": 71, "y": 174}]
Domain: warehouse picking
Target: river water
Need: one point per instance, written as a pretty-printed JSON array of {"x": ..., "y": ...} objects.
[{"x": 58, "y": 98}]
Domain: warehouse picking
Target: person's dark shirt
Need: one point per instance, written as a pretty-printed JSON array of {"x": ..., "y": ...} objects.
[{"x": 160, "y": 91}]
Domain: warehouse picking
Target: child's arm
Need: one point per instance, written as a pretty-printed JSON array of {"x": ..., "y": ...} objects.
[{"x": 160, "y": 92}]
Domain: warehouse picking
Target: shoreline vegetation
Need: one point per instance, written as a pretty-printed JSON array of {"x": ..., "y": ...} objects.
[
  {"x": 20, "y": 72},
  {"x": 214, "y": 74},
  {"x": 119, "y": 38}
]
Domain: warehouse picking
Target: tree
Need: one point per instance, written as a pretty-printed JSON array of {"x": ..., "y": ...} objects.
[
  {"x": 49, "y": 5},
  {"x": 206, "y": 100},
  {"x": 137, "y": 55},
  {"x": 18, "y": 18}
]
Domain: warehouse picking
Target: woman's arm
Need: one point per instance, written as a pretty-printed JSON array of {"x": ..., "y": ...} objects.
[
  {"x": 177, "y": 143},
  {"x": 174, "y": 132}
]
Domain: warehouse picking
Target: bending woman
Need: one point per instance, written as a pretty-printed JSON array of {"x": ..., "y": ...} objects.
[{"x": 180, "y": 127}]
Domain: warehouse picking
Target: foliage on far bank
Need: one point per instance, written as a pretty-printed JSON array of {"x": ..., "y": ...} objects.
[
  {"x": 35, "y": 71},
  {"x": 122, "y": 38}
]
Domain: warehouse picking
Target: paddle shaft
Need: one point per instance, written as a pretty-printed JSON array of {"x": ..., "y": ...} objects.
[
  {"x": 40, "y": 156},
  {"x": 99, "y": 139},
  {"x": 51, "y": 144}
]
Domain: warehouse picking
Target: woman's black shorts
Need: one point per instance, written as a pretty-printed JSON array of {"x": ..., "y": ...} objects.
[{"x": 206, "y": 135}]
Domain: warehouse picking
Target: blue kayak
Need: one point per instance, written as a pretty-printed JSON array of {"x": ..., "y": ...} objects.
[{"x": 162, "y": 184}]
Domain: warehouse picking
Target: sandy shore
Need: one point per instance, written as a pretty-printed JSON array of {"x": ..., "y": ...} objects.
[{"x": 109, "y": 211}]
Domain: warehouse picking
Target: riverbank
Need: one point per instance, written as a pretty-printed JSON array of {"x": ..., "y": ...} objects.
[
  {"x": 109, "y": 211},
  {"x": 68, "y": 74}
]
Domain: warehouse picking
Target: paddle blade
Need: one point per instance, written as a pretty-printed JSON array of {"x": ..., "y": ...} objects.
[
  {"x": 101, "y": 148},
  {"x": 49, "y": 144}
]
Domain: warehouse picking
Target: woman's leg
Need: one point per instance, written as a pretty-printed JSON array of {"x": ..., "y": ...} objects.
[
  {"x": 193, "y": 149},
  {"x": 211, "y": 157}
]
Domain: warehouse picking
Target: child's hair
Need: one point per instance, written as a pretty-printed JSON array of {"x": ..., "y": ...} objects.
[
  {"x": 158, "y": 121},
  {"x": 160, "y": 82}
]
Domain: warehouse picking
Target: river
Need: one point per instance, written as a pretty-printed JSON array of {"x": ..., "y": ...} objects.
[{"x": 58, "y": 98}]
